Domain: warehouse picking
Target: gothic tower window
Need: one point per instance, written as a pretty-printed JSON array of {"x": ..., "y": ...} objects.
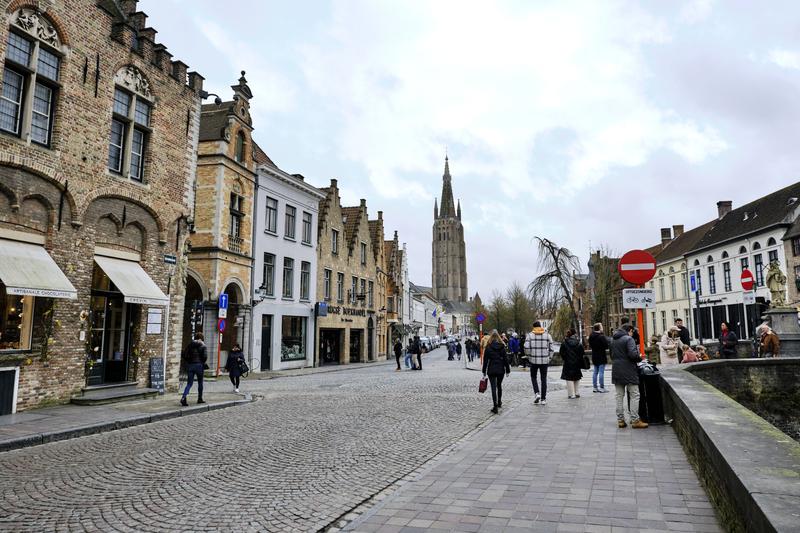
[
  {"x": 30, "y": 77},
  {"x": 130, "y": 124}
]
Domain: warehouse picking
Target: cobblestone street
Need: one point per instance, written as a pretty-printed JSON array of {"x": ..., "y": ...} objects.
[{"x": 301, "y": 458}]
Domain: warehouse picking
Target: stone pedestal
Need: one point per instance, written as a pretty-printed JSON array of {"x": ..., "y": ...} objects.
[{"x": 784, "y": 322}]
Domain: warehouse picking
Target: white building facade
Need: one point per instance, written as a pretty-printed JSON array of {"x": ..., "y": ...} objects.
[{"x": 285, "y": 270}]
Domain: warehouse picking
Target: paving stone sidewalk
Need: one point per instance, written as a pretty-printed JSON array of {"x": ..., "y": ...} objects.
[
  {"x": 38, "y": 426},
  {"x": 560, "y": 467}
]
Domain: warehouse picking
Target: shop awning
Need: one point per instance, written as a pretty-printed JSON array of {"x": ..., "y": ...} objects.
[
  {"x": 132, "y": 281},
  {"x": 27, "y": 269}
]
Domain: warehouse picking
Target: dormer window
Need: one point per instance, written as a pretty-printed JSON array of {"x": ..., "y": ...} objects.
[{"x": 239, "y": 154}]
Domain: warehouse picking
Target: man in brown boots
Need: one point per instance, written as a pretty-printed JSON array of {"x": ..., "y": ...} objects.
[{"x": 625, "y": 376}]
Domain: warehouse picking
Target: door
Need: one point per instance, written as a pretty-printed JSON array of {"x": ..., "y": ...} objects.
[
  {"x": 266, "y": 342},
  {"x": 370, "y": 341},
  {"x": 112, "y": 320},
  {"x": 355, "y": 345},
  {"x": 8, "y": 382}
]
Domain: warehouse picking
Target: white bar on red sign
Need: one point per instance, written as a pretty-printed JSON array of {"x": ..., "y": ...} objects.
[{"x": 638, "y": 266}]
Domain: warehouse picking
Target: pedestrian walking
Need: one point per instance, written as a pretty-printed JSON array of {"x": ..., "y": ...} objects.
[
  {"x": 539, "y": 350},
  {"x": 233, "y": 366},
  {"x": 770, "y": 344},
  {"x": 458, "y": 350},
  {"x": 495, "y": 366},
  {"x": 418, "y": 351},
  {"x": 598, "y": 342},
  {"x": 625, "y": 376},
  {"x": 194, "y": 359},
  {"x": 727, "y": 342},
  {"x": 398, "y": 351},
  {"x": 571, "y": 353}
]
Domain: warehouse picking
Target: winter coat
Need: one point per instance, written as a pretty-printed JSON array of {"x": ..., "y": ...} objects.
[
  {"x": 513, "y": 345},
  {"x": 571, "y": 353},
  {"x": 689, "y": 356},
  {"x": 194, "y": 353},
  {"x": 398, "y": 349},
  {"x": 458, "y": 348},
  {"x": 495, "y": 362},
  {"x": 624, "y": 359},
  {"x": 770, "y": 344},
  {"x": 727, "y": 345},
  {"x": 684, "y": 335},
  {"x": 232, "y": 364},
  {"x": 598, "y": 342},
  {"x": 538, "y": 347}
]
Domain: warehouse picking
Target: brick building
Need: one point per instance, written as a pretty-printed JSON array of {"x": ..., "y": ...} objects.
[
  {"x": 98, "y": 136},
  {"x": 221, "y": 257},
  {"x": 345, "y": 283},
  {"x": 376, "y": 233}
]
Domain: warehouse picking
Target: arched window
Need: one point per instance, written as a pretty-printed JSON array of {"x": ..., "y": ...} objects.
[
  {"x": 771, "y": 241},
  {"x": 30, "y": 77},
  {"x": 709, "y": 259},
  {"x": 756, "y": 246},
  {"x": 130, "y": 124},
  {"x": 724, "y": 255},
  {"x": 742, "y": 250},
  {"x": 696, "y": 262},
  {"x": 239, "y": 155}
]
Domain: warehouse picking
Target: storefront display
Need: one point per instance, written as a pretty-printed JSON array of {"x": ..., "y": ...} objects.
[{"x": 293, "y": 338}]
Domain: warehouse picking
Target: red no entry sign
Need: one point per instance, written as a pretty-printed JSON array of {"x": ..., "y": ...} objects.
[
  {"x": 637, "y": 267},
  {"x": 747, "y": 280}
]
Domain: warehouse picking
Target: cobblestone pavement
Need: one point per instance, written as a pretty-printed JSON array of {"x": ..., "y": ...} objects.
[
  {"x": 560, "y": 467},
  {"x": 301, "y": 458}
]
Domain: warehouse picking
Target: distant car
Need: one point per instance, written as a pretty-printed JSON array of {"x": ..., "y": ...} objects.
[{"x": 425, "y": 343}]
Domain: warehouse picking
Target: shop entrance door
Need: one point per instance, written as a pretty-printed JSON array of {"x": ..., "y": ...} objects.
[
  {"x": 355, "y": 345},
  {"x": 266, "y": 342},
  {"x": 112, "y": 320},
  {"x": 329, "y": 346},
  {"x": 370, "y": 341}
]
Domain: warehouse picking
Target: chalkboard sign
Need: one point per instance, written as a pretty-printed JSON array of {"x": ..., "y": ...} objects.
[{"x": 157, "y": 374}]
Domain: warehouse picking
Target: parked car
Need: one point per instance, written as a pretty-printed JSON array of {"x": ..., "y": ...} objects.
[{"x": 425, "y": 343}]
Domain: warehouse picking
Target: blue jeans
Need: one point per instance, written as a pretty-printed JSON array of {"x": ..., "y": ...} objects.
[
  {"x": 194, "y": 368},
  {"x": 407, "y": 360},
  {"x": 599, "y": 370}
]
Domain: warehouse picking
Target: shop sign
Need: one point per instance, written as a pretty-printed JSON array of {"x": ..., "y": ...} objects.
[
  {"x": 350, "y": 311},
  {"x": 46, "y": 293},
  {"x": 749, "y": 297},
  {"x": 322, "y": 308},
  {"x": 145, "y": 301},
  {"x": 157, "y": 374},
  {"x": 170, "y": 259}
]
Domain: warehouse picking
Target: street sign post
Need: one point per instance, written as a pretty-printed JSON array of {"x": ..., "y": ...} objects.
[
  {"x": 221, "y": 325},
  {"x": 222, "y": 313},
  {"x": 693, "y": 283},
  {"x": 638, "y": 267},
  {"x": 747, "y": 280},
  {"x": 480, "y": 318},
  {"x": 638, "y": 298},
  {"x": 223, "y": 306}
]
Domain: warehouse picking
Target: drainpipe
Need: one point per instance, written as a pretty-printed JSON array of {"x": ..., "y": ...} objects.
[{"x": 251, "y": 332}]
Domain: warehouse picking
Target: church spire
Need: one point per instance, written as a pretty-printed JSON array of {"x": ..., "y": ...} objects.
[
  {"x": 435, "y": 208},
  {"x": 448, "y": 206},
  {"x": 458, "y": 210}
]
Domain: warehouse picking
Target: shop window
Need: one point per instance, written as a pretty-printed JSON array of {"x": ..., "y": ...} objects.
[
  {"x": 291, "y": 216},
  {"x": 30, "y": 78},
  {"x": 272, "y": 215},
  {"x": 306, "y": 227},
  {"x": 293, "y": 338},
  {"x": 305, "y": 280},
  {"x": 16, "y": 319},
  {"x": 130, "y": 133}
]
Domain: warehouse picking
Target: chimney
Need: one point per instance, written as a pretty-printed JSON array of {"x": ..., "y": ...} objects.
[
  {"x": 677, "y": 230},
  {"x": 334, "y": 183},
  {"x": 666, "y": 236},
  {"x": 724, "y": 207},
  {"x": 363, "y": 203},
  {"x": 380, "y": 215}
]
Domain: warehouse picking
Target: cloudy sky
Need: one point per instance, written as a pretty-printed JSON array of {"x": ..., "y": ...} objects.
[{"x": 585, "y": 122}]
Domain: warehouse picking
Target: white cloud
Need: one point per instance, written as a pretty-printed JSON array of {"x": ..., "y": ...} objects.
[
  {"x": 787, "y": 59},
  {"x": 696, "y": 11}
]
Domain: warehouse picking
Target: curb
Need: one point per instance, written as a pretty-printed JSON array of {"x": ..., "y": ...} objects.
[
  {"x": 337, "y": 368},
  {"x": 103, "y": 427}
]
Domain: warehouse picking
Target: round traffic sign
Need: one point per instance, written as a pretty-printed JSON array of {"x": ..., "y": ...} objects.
[
  {"x": 637, "y": 267},
  {"x": 747, "y": 280},
  {"x": 221, "y": 325},
  {"x": 479, "y": 318}
]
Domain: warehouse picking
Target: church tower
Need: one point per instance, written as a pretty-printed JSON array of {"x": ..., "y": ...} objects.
[{"x": 449, "y": 278}]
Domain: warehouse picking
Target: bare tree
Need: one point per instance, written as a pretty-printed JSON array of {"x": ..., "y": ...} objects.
[
  {"x": 554, "y": 285},
  {"x": 606, "y": 283},
  {"x": 497, "y": 316},
  {"x": 520, "y": 309}
]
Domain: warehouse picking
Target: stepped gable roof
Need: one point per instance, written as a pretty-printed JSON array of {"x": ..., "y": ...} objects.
[
  {"x": 778, "y": 208},
  {"x": 352, "y": 216},
  {"x": 376, "y": 233},
  {"x": 680, "y": 245}
]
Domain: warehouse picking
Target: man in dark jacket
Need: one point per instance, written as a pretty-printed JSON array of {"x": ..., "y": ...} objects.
[
  {"x": 417, "y": 347},
  {"x": 598, "y": 342},
  {"x": 398, "y": 351},
  {"x": 625, "y": 375},
  {"x": 683, "y": 334},
  {"x": 194, "y": 358}
]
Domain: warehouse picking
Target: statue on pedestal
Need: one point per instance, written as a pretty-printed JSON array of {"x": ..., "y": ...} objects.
[{"x": 776, "y": 283}]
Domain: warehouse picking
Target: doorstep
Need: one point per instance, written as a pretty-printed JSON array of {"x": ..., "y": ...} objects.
[{"x": 39, "y": 426}]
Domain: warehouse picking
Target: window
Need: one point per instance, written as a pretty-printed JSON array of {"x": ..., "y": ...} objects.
[
  {"x": 16, "y": 314},
  {"x": 371, "y": 295},
  {"x": 672, "y": 290},
  {"x": 236, "y": 215},
  {"x": 293, "y": 338},
  {"x": 339, "y": 287},
  {"x": 712, "y": 281},
  {"x": 724, "y": 255},
  {"x": 268, "y": 281},
  {"x": 773, "y": 256},
  {"x": 272, "y": 215},
  {"x": 306, "y": 227},
  {"x": 363, "y": 253},
  {"x": 726, "y": 274},
  {"x": 305, "y": 280},
  {"x": 288, "y": 276},
  {"x": 709, "y": 259},
  {"x": 390, "y": 304},
  {"x": 130, "y": 130},
  {"x": 797, "y": 277},
  {"x": 745, "y": 263},
  {"x": 796, "y": 246},
  {"x": 663, "y": 321},
  {"x": 239, "y": 153},
  {"x": 771, "y": 241},
  {"x": 291, "y": 215},
  {"x": 661, "y": 294},
  {"x": 327, "y": 285},
  {"x": 686, "y": 315},
  {"x": 742, "y": 250},
  {"x": 756, "y": 246},
  {"x": 674, "y": 315},
  {"x": 653, "y": 317},
  {"x": 759, "y": 263},
  {"x": 334, "y": 242},
  {"x": 29, "y": 87},
  {"x": 684, "y": 285},
  {"x": 363, "y": 293},
  {"x": 353, "y": 289},
  {"x": 699, "y": 281}
]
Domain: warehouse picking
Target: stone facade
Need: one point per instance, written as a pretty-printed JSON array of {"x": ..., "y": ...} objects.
[
  {"x": 221, "y": 258},
  {"x": 345, "y": 249},
  {"x": 449, "y": 273},
  {"x": 62, "y": 192},
  {"x": 376, "y": 232}
]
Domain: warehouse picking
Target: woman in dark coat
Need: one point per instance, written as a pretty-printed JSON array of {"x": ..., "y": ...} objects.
[
  {"x": 572, "y": 355},
  {"x": 232, "y": 366},
  {"x": 495, "y": 366},
  {"x": 727, "y": 342}
]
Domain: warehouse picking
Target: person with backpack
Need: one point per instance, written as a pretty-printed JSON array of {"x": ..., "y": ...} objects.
[
  {"x": 538, "y": 348},
  {"x": 194, "y": 359},
  {"x": 234, "y": 366},
  {"x": 571, "y": 353}
]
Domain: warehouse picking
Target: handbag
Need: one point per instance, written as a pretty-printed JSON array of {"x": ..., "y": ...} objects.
[
  {"x": 243, "y": 368},
  {"x": 586, "y": 364},
  {"x": 482, "y": 385}
]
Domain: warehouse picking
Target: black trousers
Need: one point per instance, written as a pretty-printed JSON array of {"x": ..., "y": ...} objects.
[
  {"x": 542, "y": 369},
  {"x": 419, "y": 361},
  {"x": 397, "y": 356},
  {"x": 497, "y": 388},
  {"x": 234, "y": 380}
]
